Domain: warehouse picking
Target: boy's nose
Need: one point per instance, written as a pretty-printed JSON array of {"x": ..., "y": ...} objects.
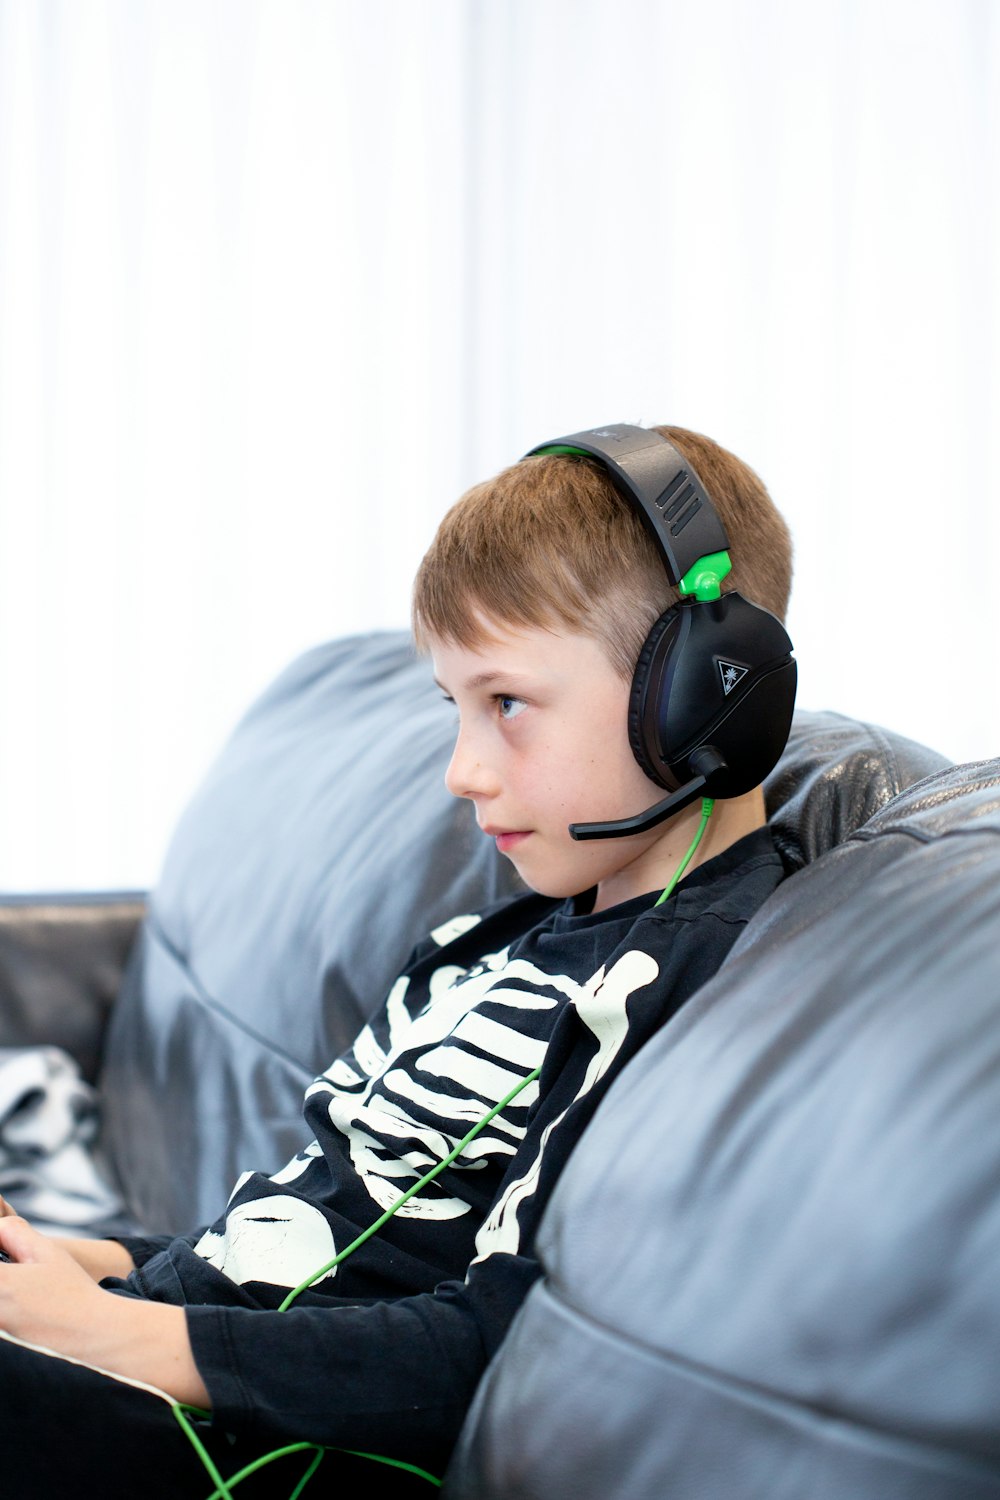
[{"x": 466, "y": 775}]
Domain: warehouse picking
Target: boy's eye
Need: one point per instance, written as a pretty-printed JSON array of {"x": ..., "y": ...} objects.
[{"x": 509, "y": 707}]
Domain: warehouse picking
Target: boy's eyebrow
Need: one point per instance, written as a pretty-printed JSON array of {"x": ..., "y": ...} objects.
[{"x": 483, "y": 679}]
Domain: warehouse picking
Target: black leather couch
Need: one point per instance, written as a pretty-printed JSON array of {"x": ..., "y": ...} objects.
[{"x": 771, "y": 1265}]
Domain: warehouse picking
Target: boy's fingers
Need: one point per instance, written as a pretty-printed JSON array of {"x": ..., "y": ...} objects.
[
  {"x": 21, "y": 1242},
  {"x": 9, "y": 1236}
]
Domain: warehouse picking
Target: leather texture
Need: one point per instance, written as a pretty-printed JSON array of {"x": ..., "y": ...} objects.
[
  {"x": 771, "y": 1264},
  {"x": 835, "y": 774}
]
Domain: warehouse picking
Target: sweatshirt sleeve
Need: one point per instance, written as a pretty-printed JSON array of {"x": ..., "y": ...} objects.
[
  {"x": 143, "y": 1247},
  {"x": 394, "y": 1378}
]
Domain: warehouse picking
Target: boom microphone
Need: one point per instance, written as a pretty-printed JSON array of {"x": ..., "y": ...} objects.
[{"x": 706, "y": 760}]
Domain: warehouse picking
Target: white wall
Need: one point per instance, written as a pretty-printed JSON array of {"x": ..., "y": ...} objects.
[{"x": 279, "y": 278}]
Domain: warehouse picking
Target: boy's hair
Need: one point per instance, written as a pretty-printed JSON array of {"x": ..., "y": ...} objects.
[{"x": 551, "y": 544}]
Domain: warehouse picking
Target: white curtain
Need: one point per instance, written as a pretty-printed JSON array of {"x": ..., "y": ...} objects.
[{"x": 279, "y": 278}]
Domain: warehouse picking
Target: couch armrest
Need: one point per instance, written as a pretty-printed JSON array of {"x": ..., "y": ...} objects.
[{"x": 61, "y": 965}]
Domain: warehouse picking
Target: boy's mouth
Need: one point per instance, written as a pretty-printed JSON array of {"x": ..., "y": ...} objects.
[{"x": 507, "y": 841}]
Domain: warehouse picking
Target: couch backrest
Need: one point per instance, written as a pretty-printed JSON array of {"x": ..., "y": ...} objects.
[{"x": 320, "y": 847}]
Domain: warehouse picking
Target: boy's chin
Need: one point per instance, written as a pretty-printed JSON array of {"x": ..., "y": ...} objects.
[{"x": 556, "y": 884}]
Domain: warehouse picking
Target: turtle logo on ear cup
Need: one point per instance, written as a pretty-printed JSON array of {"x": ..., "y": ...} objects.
[{"x": 732, "y": 675}]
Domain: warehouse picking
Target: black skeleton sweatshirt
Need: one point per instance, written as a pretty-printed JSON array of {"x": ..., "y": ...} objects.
[{"x": 383, "y": 1353}]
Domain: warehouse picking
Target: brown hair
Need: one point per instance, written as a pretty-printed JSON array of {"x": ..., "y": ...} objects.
[{"x": 550, "y": 543}]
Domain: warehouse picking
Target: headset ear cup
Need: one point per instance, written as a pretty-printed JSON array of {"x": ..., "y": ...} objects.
[
  {"x": 682, "y": 701},
  {"x": 643, "y": 715}
]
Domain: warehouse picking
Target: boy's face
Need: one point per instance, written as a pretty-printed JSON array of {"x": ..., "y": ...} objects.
[{"x": 542, "y": 743}]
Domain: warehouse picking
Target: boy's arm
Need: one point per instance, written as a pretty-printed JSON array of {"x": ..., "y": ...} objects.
[
  {"x": 403, "y": 1372},
  {"x": 393, "y": 1377},
  {"x": 100, "y": 1258},
  {"x": 49, "y": 1299}
]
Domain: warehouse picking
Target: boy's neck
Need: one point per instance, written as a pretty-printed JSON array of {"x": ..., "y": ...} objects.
[{"x": 731, "y": 821}]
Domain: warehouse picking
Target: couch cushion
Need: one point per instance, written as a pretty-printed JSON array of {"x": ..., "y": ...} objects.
[
  {"x": 320, "y": 847},
  {"x": 771, "y": 1264}
]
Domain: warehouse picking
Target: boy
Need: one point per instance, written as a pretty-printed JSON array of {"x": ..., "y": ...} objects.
[{"x": 534, "y": 602}]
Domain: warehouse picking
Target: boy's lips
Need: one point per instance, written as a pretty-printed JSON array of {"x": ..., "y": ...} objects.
[{"x": 507, "y": 839}]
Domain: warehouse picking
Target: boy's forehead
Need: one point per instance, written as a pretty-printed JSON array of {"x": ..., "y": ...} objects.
[{"x": 506, "y": 650}]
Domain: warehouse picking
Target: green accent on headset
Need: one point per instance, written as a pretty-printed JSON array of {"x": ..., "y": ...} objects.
[
  {"x": 704, "y": 578},
  {"x": 561, "y": 448}
]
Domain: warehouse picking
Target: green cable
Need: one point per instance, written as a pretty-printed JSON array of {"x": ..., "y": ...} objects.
[
  {"x": 308, "y": 1474},
  {"x": 224, "y": 1487},
  {"x": 707, "y": 804},
  {"x": 394, "y": 1463},
  {"x": 180, "y": 1412}
]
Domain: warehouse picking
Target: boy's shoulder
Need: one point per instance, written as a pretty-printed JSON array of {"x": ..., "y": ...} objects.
[
  {"x": 694, "y": 928},
  {"x": 735, "y": 883}
]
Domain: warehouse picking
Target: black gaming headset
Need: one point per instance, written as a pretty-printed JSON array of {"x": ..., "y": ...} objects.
[{"x": 714, "y": 686}]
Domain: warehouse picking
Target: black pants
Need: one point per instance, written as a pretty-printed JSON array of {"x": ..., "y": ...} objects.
[{"x": 68, "y": 1432}]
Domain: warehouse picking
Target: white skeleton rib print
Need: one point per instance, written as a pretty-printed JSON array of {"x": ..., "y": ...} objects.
[
  {"x": 403, "y": 1099},
  {"x": 407, "y": 1106}
]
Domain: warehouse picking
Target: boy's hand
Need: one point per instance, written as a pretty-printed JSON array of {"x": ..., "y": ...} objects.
[
  {"x": 44, "y": 1290},
  {"x": 48, "y": 1299},
  {"x": 99, "y": 1258}
]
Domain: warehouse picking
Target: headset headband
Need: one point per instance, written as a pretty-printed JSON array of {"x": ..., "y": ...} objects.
[{"x": 671, "y": 499}]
